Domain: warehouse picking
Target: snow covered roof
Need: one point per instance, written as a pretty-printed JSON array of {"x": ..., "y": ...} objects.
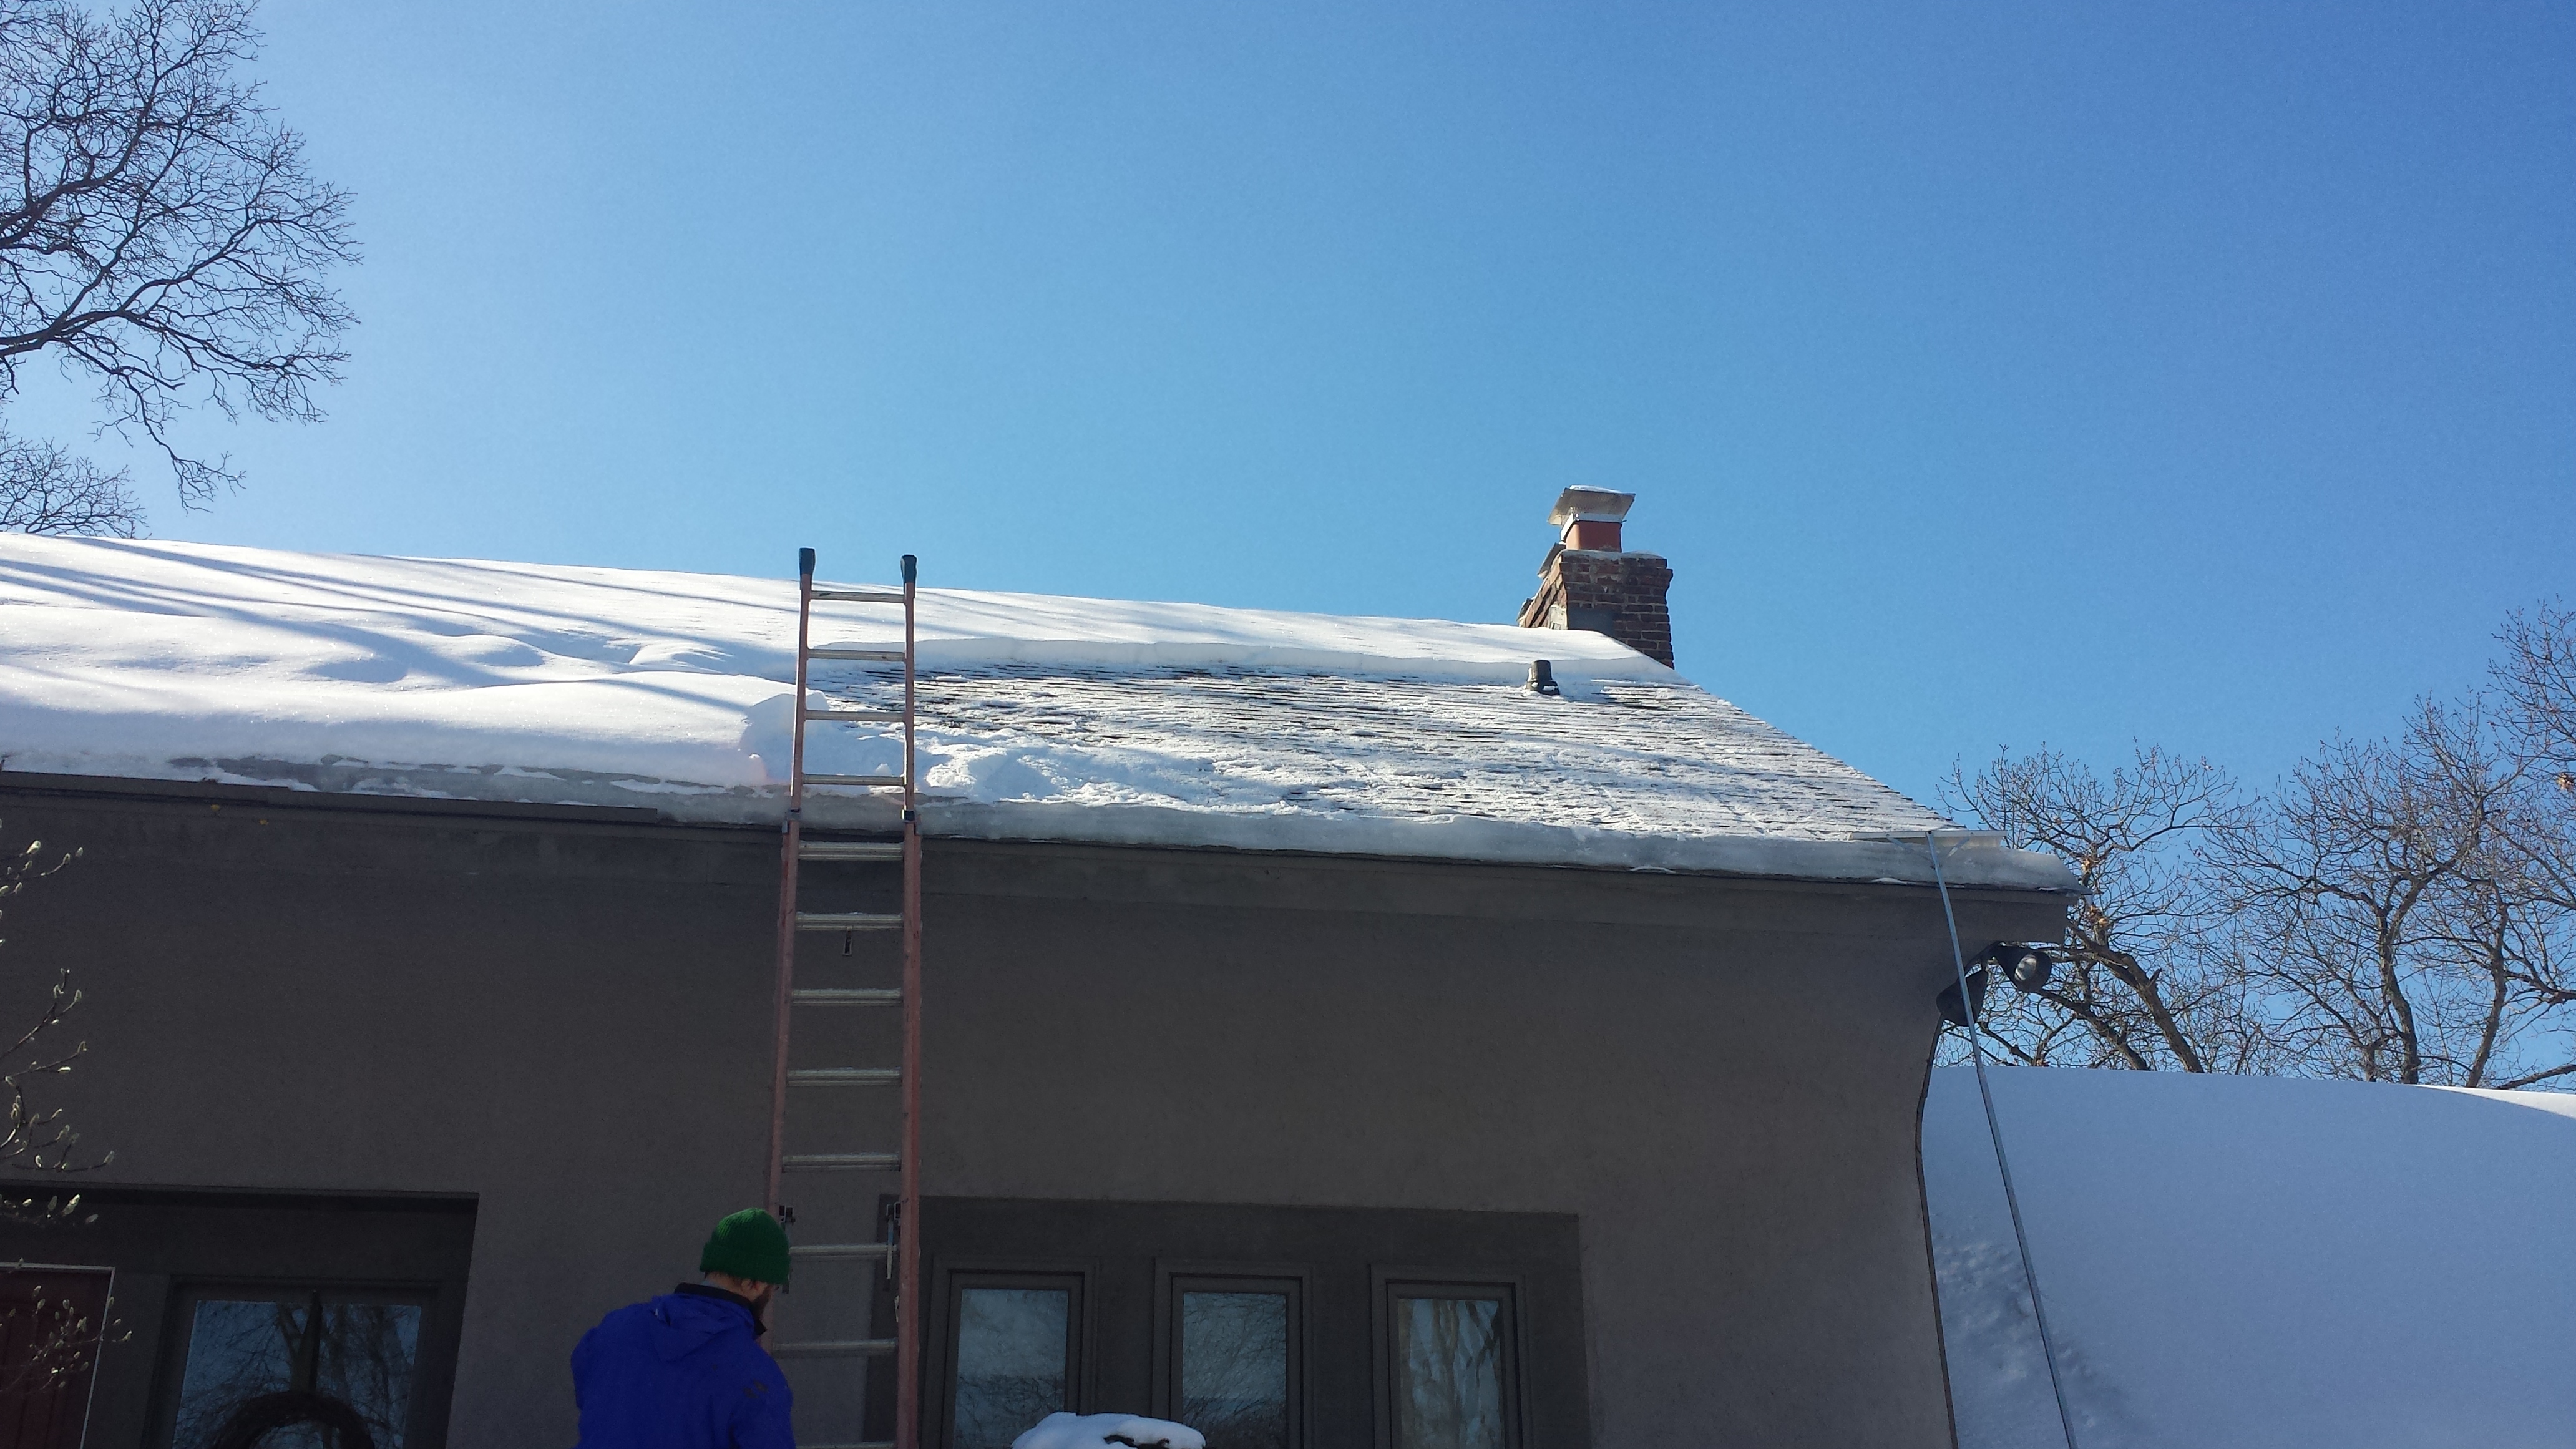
[
  {"x": 2250, "y": 1261},
  {"x": 1041, "y": 717}
]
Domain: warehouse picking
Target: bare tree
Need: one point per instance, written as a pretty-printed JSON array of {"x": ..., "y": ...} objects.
[
  {"x": 2139, "y": 985},
  {"x": 55, "y": 1334},
  {"x": 2385, "y": 898},
  {"x": 45, "y": 489},
  {"x": 58, "y": 1334},
  {"x": 2535, "y": 684},
  {"x": 160, "y": 236},
  {"x": 2396, "y": 910},
  {"x": 2536, "y": 679},
  {"x": 35, "y": 1139}
]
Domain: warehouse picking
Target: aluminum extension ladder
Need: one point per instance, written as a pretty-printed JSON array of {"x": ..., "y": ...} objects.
[{"x": 897, "y": 1249}]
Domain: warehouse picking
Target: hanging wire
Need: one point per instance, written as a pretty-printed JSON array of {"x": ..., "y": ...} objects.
[{"x": 1995, "y": 1130}]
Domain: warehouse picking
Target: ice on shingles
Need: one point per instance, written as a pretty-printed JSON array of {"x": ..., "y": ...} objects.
[{"x": 590, "y": 685}]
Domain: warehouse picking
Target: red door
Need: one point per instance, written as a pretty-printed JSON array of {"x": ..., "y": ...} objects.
[{"x": 51, "y": 1320}]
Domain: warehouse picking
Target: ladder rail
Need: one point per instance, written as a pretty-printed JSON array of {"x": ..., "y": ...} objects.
[
  {"x": 792, "y": 837},
  {"x": 907, "y": 1290},
  {"x": 904, "y": 1249}
]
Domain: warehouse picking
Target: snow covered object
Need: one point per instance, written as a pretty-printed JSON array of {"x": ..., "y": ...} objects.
[
  {"x": 1043, "y": 718},
  {"x": 1106, "y": 1431},
  {"x": 2247, "y": 1262}
]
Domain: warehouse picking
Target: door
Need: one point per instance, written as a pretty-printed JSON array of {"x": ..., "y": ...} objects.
[{"x": 52, "y": 1323}]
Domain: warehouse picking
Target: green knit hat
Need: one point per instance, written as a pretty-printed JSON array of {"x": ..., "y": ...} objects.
[{"x": 748, "y": 1244}]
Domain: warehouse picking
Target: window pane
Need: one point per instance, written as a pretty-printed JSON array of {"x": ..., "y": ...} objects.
[
  {"x": 1234, "y": 1368},
  {"x": 237, "y": 1350},
  {"x": 1449, "y": 1373},
  {"x": 366, "y": 1361},
  {"x": 1011, "y": 1352},
  {"x": 359, "y": 1355}
]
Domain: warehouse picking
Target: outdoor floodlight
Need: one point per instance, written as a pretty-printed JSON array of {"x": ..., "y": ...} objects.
[
  {"x": 1960, "y": 1014},
  {"x": 2027, "y": 967}
]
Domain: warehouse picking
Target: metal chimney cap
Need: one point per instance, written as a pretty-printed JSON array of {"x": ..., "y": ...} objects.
[{"x": 1591, "y": 505}]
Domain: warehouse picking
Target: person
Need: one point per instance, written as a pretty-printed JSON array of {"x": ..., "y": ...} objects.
[{"x": 686, "y": 1370}]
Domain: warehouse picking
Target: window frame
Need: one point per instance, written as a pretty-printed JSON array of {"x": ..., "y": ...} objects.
[
  {"x": 1172, "y": 1278},
  {"x": 1074, "y": 1278},
  {"x": 1386, "y": 1285},
  {"x": 179, "y": 1330}
]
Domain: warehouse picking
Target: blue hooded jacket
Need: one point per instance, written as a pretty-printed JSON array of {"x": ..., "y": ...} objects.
[{"x": 684, "y": 1371}]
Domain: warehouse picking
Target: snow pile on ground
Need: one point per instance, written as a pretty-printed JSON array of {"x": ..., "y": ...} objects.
[
  {"x": 2234, "y": 1261},
  {"x": 1105, "y": 1431},
  {"x": 1041, "y": 717}
]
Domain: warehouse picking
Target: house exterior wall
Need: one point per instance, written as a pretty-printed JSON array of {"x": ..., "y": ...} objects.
[{"x": 566, "y": 1015}]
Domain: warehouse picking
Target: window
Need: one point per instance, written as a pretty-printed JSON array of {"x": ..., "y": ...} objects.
[
  {"x": 1263, "y": 1327},
  {"x": 1015, "y": 1346},
  {"x": 1235, "y": 1372},
  {"x": 388, "y": 1271},
  {"x": 1453, "y": 1373},
  {"x": 301, "y": 1358}
]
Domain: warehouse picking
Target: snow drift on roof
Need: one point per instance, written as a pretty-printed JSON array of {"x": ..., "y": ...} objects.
[
  {"x": 1042, "y": 717},
  {"x": 2243, "y": 1262}
]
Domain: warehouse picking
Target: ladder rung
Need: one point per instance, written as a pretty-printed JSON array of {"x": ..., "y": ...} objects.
[
  {"x": 856, "y": 716},
  {"x": 850, "y": 850},
  {"x": 832, "y": 1348},
  {"x": 841, "y": 1162},
  {"x": 879, "y": 656},
  {"x": 847, "y": 996},
  {"x": 858, "y": 596},
  {"x": 847, "y": 921},
  {"x": 873, "y": 782},
  {"x": 841, "y": 1250},
  {"x": 845, "y": 1077}
]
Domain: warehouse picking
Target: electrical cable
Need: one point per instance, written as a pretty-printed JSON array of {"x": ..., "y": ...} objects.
[{"x": 1995, "y": 1130}]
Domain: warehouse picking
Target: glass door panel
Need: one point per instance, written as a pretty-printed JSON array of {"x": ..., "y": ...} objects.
[
  {"x": 1016, "y": 1359},
  {"x": 1237, "y": 1362},
  {"x": 1452, "y": 1376}
]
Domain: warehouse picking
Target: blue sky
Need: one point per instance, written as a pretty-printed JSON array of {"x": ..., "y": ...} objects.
[{"x": 1990, "y": 376}]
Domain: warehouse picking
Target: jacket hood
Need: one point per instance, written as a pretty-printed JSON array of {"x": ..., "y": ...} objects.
[{"x": 684, "y": 1323}]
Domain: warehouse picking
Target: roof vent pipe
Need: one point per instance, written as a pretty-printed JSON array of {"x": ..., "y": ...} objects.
[{"x": 1542, "y": 678}]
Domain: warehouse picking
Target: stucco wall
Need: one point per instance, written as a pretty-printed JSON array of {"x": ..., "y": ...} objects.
[{"x": 568, "y": 1017}]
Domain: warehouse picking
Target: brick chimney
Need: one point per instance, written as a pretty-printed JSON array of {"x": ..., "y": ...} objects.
[{"x": 1590, "y": 582}]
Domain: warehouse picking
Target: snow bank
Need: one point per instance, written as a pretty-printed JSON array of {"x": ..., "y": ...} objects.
[
  {"x": 1105, "y": 1431},
  {"x": 2235, "y": 1261},
  {"x": 1042, "y": 718}
]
